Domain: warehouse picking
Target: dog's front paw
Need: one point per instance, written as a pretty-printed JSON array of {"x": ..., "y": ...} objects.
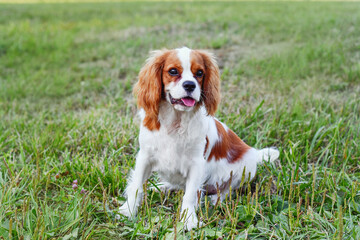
[
  {"x": 125, "y": 210},
  {"x": 190, "y": 221}
]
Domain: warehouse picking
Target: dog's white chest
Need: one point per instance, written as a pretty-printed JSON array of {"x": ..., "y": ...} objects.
[
  {"x": 177, "y": 146},
  {"x": 174, "y": 155}
]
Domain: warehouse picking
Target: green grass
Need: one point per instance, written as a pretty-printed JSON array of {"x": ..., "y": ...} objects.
[{"x": 290, "y": 78}]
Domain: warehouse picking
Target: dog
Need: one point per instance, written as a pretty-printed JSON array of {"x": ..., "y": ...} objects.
[{"x": 178, "y": 92}]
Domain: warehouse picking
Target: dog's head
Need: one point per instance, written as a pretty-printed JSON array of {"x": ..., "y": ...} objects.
[{"x": 184, "y": 78}]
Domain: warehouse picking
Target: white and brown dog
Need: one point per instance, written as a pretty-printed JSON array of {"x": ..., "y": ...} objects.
[{"x": 178, "y": 93}]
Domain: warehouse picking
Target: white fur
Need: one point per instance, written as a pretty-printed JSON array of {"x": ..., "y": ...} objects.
[{"x": 176, "y": 152}]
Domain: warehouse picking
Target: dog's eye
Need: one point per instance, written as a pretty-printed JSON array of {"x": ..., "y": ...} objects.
[
  {"x": 199, "y": 73},
  {"x": 173, "y": 72}
]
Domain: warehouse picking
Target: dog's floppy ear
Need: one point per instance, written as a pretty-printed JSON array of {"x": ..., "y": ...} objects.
[
  {"x": 211, "y": 84},
  {"x": 149, "y": 88}
]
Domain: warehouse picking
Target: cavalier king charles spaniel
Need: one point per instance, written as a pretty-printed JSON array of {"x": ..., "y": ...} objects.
[{"x": 178, "y": 93}]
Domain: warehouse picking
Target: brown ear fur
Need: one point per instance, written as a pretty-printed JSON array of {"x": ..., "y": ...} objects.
[
  {"x": 211, "y": 85},
  {"x": 149, "y": 88}
]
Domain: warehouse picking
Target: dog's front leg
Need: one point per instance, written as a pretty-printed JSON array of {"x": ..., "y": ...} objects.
[
  {"x": 134, "y": 189},
  {"x": 190, "y": 200}
]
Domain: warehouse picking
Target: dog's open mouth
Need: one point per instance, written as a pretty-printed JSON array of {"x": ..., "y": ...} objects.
[{"x": 186, "y": 101}]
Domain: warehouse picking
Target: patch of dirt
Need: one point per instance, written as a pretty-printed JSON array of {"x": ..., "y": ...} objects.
[{"x": 243, "y": 50}]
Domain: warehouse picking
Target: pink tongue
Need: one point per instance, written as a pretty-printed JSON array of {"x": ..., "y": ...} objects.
[{"x": 189, "y": 102}]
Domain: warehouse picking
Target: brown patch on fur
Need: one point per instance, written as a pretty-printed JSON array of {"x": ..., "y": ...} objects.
[
  {"x": 229, "y": 145},
  {"x": 237, "y": 147},
  {"x": 172, "y": 61},
  {"x": 206, "y": 145},
  {"x": 197, "y": 63},
  {"x": 149, "y": 88},
  {"x": 220, "y": 149},
  {"x": 211, "y": 79}
]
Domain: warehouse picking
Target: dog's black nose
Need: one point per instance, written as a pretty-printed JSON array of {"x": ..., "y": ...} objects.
[{"x": 189, "y": 86}]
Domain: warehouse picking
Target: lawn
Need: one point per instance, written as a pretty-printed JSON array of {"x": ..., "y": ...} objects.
[{"x": 290, "y": 79}]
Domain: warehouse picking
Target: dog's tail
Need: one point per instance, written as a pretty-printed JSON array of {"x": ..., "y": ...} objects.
[{"x": 268, "y": 155}]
